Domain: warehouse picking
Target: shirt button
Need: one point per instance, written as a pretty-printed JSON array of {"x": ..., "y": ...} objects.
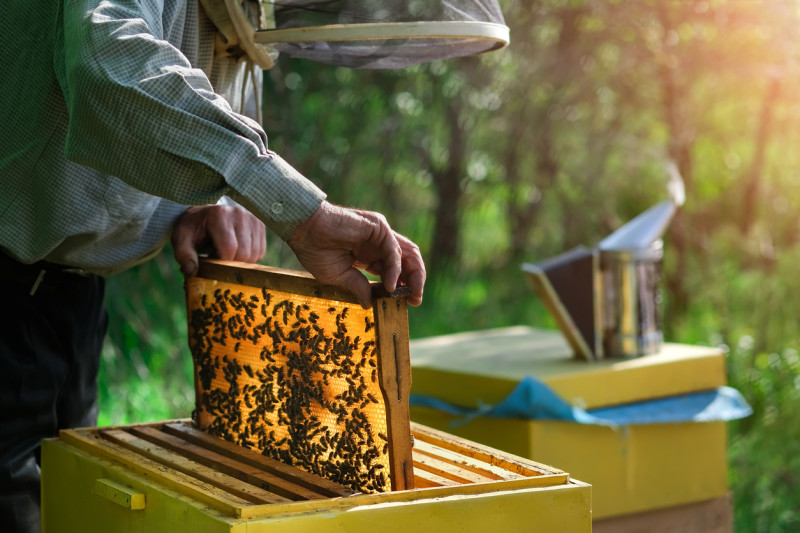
[{"x": 277, "y": 208}]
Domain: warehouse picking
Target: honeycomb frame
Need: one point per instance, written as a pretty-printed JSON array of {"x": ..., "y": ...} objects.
[{"x": 300, "y": 372}]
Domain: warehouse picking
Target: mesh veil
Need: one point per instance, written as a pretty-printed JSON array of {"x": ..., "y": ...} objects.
[{"x": 383, "y": 33}]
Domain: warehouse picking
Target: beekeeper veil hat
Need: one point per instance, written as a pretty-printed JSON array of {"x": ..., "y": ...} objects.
[{"x": 374, "y": 34}]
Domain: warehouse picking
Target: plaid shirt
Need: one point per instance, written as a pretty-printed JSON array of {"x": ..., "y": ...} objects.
[{"x": 116, "y": 115}]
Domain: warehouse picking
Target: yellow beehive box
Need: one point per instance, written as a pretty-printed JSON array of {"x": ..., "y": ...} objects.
[
  {"x": 167, "y": 477},
  {"x": 632, "y": 469}
]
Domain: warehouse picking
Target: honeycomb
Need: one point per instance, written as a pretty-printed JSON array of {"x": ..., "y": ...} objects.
[{"x": 293, "y": 377}]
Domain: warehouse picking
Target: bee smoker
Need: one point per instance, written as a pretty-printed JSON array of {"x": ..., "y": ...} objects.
[
  {"x": 607, "y": 300},
  {"x": 631, "y": 301}
]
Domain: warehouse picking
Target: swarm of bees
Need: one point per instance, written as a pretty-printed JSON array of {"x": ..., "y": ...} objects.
[{"x": 293, "y": 377}]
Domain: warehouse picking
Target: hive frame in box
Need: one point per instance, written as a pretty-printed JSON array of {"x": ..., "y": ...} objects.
[
  {"x": 262, "y": 371},
  {"x": 146, "y": 476}
]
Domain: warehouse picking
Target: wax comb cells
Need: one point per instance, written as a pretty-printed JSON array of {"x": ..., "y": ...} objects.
[{"x": 301, "y": 377}]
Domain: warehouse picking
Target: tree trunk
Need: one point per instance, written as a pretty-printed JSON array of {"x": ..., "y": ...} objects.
[
  {"x": 750, "y": 188},
  {"x": 523, "y": 217},
  {"x": 448, "y": 191}
]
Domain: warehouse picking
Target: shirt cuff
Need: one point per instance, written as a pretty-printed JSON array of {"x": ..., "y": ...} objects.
[{"x": 279, "y": 196}]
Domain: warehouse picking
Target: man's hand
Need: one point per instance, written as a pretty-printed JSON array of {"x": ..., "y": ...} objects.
[
  {"x": 231, "y": 232},
  {"x": 335, "y": 242}
]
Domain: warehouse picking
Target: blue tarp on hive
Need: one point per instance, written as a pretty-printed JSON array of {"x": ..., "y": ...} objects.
[{"x": 534, "y": 400}]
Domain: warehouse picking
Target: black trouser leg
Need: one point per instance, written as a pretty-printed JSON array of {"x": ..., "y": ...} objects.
[{"x": 50, "y": 346}]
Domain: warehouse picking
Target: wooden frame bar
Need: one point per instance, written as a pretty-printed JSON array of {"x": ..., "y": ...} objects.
[
  {"x": 230, "y": 479},
  {"x": 286, "y": 280}
]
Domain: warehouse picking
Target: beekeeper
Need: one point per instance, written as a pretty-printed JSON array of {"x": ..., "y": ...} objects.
[{"x": 120, "y": 130}]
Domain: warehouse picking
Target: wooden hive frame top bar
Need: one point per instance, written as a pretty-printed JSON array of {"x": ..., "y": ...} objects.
[
  {"x": 242, "y": 483},
  {"x": 300, "y": 372}
]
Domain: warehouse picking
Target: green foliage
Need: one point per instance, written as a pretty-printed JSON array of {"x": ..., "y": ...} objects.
[
  {"x": 553, "y": 142},
  {"x": 764, "y": 465},
  {"x": 146, "y": 367}
]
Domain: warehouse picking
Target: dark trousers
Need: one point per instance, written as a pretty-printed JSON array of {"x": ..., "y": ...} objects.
[{"x": 50, "y": 344}]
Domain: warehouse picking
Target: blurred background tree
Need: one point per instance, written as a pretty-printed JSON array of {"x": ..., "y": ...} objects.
[{"x": 521, "y": 154}]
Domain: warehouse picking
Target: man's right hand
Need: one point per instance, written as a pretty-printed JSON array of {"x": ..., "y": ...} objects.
[
  {"x": 231, "y": 232},
  {"x": 335, "y": 243}
]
